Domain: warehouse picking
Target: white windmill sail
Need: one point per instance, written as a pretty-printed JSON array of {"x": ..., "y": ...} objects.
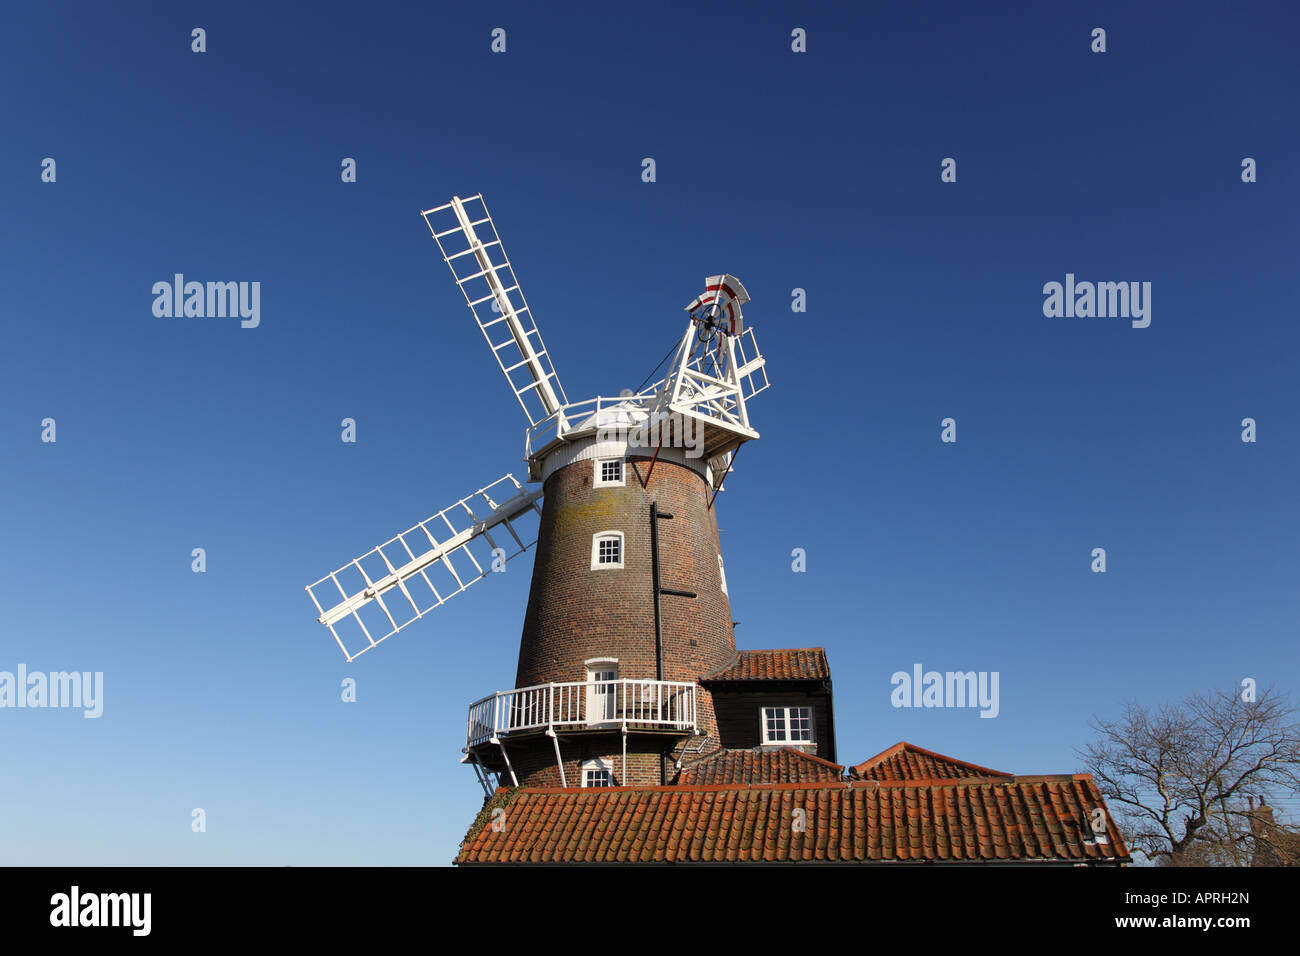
[
  {"x": 469, "y": 243},
  {"x": 717, "y": 369},
  {"x": 376, "y": 595}
]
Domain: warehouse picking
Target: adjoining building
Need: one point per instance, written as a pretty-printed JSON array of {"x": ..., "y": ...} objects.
[{"x": 771, "y": 792}]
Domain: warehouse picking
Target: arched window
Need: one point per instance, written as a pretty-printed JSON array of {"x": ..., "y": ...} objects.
[{"x": 606, "y": 550}]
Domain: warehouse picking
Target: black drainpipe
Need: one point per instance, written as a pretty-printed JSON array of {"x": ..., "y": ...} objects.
[{"x": 655, "y": 517}]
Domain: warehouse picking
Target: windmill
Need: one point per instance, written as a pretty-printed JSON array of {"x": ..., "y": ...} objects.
[{"x": 596, "y": 464}]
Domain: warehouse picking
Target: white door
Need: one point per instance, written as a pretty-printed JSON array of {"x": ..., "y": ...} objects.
[{"x": 602, "y": 696}]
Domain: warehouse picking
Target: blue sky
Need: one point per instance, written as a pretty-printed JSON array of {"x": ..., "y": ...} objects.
[{"x": 817, "y": 171}]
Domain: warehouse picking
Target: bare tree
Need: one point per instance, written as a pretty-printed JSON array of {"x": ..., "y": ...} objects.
[{"x": 1178, "y": 777}]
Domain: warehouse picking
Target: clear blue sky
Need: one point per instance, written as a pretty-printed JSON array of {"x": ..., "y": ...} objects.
[{"x": 817, "y": 171}]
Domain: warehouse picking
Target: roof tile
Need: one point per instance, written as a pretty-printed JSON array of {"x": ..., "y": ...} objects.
[
  {"x": 784, "y": 765},
  {"x": 905, "y": 761},
  {"x": 995, "y": 818},
  {"x": 800, "y": 663}
]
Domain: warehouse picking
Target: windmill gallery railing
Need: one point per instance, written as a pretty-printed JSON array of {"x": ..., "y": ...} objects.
[
  {"x": 578, "y": 417},
  {"x": 578, "y": 705},
  {"x": 707, "y": 397}
]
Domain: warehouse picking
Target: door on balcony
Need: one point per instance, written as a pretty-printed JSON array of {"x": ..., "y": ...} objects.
[{"x": 602, "y": 695}]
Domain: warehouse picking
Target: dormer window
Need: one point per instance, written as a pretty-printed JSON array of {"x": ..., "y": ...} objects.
[
  {"x": 597, "y": 773},
  {"x": 606, "y": 550},
  {"x": 609, "y": 473},
  {"x": 787, "y": 725}
]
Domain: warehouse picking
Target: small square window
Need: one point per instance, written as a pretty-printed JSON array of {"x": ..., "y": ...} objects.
[
  {"x": 787, "y": 725},
  {"x": 607, "y": 550},
  {"x": 597, "y": 773},
  {"x": 609, "y": 472}
]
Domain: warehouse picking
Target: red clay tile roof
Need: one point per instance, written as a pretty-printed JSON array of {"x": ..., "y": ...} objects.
[
  {"x": 1043, "y": 819},
  {"x": 905, "y": 761},
  {"x": 784, "y": 765},
  {"x": 801, "y": 663}
]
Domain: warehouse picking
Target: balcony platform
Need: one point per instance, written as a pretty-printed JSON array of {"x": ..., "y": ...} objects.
[{"x": 576, "y": 709}]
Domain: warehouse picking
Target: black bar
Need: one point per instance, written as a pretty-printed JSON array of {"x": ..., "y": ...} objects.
[{"x": 283, "y": 904}]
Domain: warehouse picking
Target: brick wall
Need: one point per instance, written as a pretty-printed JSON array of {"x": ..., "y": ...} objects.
[
  {"x": 575, "y": 614},
  {"x": 535, "y": 766}
]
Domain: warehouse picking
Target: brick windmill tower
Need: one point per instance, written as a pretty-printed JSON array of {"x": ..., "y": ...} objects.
[
  {"x": 628, "y": 674},
  {"x": 628, "y": 612}
]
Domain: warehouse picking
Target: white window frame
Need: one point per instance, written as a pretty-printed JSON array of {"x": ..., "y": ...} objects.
[
  {"x": 602, "y": 692},
  {"x": 722, "y": 575},
  {"x": 598, "y": 765},
  {"x": 787, "y": 740},
  {"x": 596, "y": 563},
  {"x": 648, "y": 692},
  {"x": 598, "y": 480}
]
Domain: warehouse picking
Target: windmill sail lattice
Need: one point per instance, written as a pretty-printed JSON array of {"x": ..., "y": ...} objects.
[
  {"x": 376, "y": 595},
  {"x": 717, "y": 370},
  {"x": 469, "y": 243}
]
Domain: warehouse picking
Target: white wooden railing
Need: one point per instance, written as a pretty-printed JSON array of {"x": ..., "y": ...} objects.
[
  {"x": 578, "y": 704},
  {"x": 625, "y": 410},
  {"x": 711, "y": 398}
]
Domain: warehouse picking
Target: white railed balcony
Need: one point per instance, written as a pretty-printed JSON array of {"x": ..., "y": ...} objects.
[{"x": 583, "y": 705}]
